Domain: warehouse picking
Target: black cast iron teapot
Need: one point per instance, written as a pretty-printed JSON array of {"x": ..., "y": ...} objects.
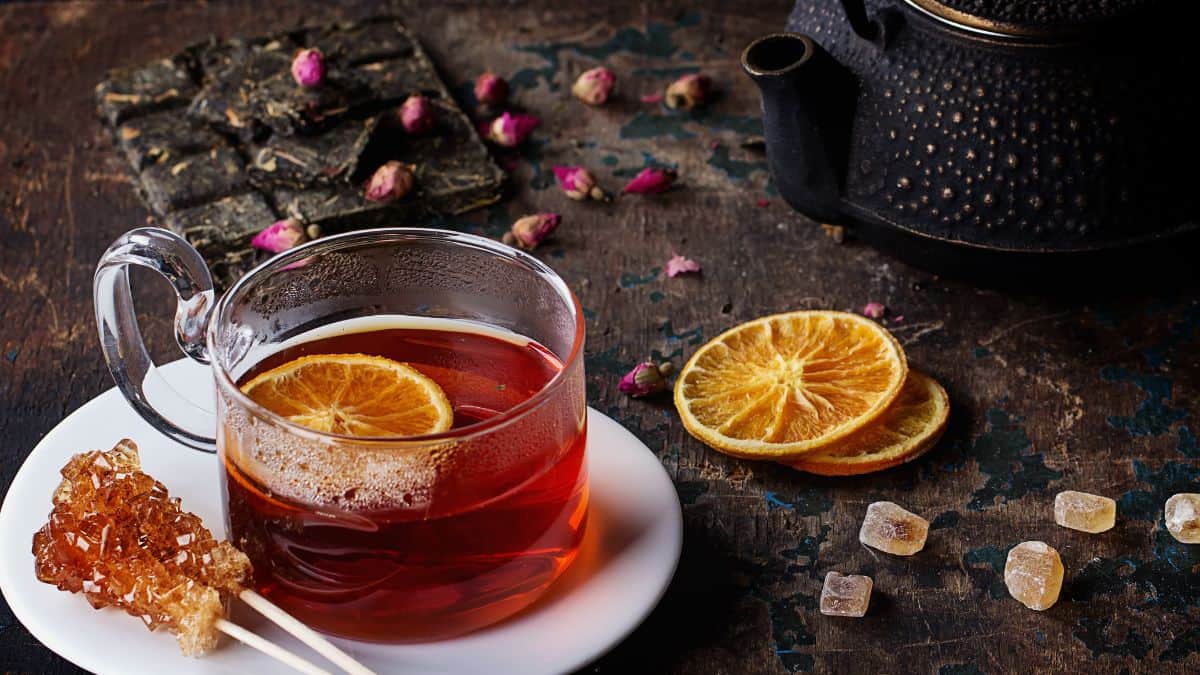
[{"x": 961, "y": 131}]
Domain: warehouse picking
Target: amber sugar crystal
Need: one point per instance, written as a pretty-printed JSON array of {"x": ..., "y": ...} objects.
[
  {"x": 845, "y": 594},
  {"x": 1034, "y": 574},
  {"x": 1084, "y": 512},
  {"x": 115, "y": 535},
  {"x": 1182, "y": 515},
  {"x": 892, "y": 529}
]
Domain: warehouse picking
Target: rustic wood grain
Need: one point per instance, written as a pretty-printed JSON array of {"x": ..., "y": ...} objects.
[{"x": 1093, "y": 392}]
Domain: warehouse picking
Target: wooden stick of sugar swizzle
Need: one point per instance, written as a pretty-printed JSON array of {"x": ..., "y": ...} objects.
[
  {"x": 303, "y": 633},
  {"x": 267, "y": 647}
]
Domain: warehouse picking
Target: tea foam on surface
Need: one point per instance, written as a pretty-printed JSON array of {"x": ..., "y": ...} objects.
[{"x": 361, "y": 476}]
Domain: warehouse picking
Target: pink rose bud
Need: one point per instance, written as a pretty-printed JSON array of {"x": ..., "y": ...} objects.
[
  {"x": 578, "y": 183},
  {"x": 511, "y": 130},
  {"x": 416, "y": 115},
  {"x": 874, "y": 310},
  {"x": 529, "y": 231},
  {"x": 650, "y": 182},
  {"x": 390, "y": 182},
  {"x": 491, "y": 89},
  {"x": 646, "y": 378},
  {"x": 689, "y": 91},
  {"x": 308, "y": 67},
  {"x": 680, "y": 265},
  {"x": 652, "y": 98},
  {"x": 594, "y": 86},
  {"x": 280, "y": 236}
]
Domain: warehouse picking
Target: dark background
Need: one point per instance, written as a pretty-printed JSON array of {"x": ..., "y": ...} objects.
[{"x": 1094, "y": 392}]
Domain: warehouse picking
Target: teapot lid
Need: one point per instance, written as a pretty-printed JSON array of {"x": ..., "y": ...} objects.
[{"x": 1028, "y": 18}]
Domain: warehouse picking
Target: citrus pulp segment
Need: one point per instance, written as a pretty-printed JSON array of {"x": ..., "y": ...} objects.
[
  {"x": 353, "y": 395},
  {"x": 909, "y": 427},
  {"x": 788, "y": 384}
]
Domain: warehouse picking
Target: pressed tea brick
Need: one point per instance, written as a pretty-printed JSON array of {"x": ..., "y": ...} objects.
[
  {"x": 367, "y": 41},
  {"x": 193, "y": 180},
  {"x": 232, "y": 69},
  {"x": 222, "y": 230},
  {"x": 257, "y": 143},
  {"x": 164, "y": 137},
  {"x": 131, "y": 92},
  {"x": 320, "y": 159}
]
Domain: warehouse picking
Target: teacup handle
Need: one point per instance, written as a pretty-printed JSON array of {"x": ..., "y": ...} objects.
[{"x": 120, "y": 338}]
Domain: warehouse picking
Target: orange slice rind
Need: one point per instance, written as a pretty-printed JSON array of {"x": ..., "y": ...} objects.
[
  {"x": 788, "y": 384},
  {"x": 353, "y": 395},
  {"x": 911, "y": 425}
]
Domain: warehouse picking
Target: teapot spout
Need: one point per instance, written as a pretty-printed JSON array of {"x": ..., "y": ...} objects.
[{"x": 808, "y": 101}]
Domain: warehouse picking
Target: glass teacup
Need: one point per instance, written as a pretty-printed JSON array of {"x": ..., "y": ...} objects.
[{"x": 383, "y": 538}]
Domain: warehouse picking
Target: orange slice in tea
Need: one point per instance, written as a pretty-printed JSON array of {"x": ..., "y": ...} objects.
[
  {"x": 911, "y": 425},
  {"x": 353, "y": 395},
  {"x": 788, "y": 384}
]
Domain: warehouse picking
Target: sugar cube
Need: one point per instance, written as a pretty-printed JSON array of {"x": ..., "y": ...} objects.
[
  {"x": 891, "y": 529},
  {"x": 1084, "y": 512},
  {"x": 1182, "y": 514},
  {"x": 1034, "y": 574},
  {"x": 845, "y": 594}
]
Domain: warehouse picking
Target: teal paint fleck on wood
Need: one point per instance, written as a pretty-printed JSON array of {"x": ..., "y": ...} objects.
[
  {"x": 1095, "y": 634},
  {"x": 1168, "y": 479},
  {"x": 655, "y": 40},
  {"x": 630, "y": 280},
  {"x": 692, "y": 337},
  {"x": 735, "y": 169},
  {"x": 1002, "y": 454},
  {"x": 992, "y": 579},
  {"x": 670, "y": 71},
  {"x": 674, "y": 124},
  {"x": 1154, "y": 415}
]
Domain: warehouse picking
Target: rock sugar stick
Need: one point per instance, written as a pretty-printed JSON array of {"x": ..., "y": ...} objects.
[{"x": 115, "y": 535}]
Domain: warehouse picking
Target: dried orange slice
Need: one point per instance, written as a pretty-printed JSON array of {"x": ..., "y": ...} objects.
[
  {"x": 787, "y": 384},
  {"x": 911, "y": 425},
  {"x": 353, "y": 395}
]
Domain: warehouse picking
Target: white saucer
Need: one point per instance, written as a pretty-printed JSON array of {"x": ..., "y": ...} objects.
[{"x": 629, "y": 554}]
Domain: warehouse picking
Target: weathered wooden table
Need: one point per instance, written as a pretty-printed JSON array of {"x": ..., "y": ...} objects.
[{"x": 1089, "y": 393}]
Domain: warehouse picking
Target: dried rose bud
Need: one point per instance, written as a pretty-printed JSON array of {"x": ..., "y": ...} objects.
[
  {"x": 529, "y": 231},
  {"x": 308, "y": 67},
  {"x": 390, "y": 182},
  {"x": 680, "y": 265},
  {"x": 280, "y": 236},
  {"x": 874, "y": 310},
  {"x": 594, "y": 86},
  {"x": 491, "y": 89},
  {"x": 689, "y": 91},
  {"x": 652, "y": 98},
  {"x": 416, "y": 115},
  {"x": 511, "y": 130},
  {"x": 650, "y": 182},
  {"x": 646, "y": 378},
  {"x": 578, "y": 183}
]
